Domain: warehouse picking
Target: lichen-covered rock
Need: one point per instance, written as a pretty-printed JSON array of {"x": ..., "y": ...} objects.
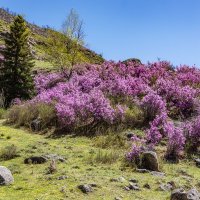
[{"x": 6, "y": 177}]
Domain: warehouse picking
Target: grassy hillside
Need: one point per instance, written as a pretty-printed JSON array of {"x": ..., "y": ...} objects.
[
  {"x": 86, "y": 163},
  {"x": 43, "y": 45}
]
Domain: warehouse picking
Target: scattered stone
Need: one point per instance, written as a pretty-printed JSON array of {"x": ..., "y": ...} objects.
[
  {"x": 165, "y": 187},
  {"x": 147, "y": 186},
  {"x": 36, "y": 125},
  {"x": 127, "y": 188},
  {"x": 6, "y": 177},
  {"x": 193, "y": 194},
  {"x": 142, "y": 170},
  {"x": 35, "y": 160},
  {"x": 149, "y": 161},
  {"x": 85, "y": 188},
  {"x": 133, "y": 186},
  {"x": 133, "y": 180},
  {"x": 62, "y": 177},
  {"x": 54, "y": 157},
  {"x": 197, "y": 161},
  {"x": 178, "y": 194},
  {"x": 120, "y": 179},
  {"x": 159, "y": 174},
  {"x": 118, "y": 198}
]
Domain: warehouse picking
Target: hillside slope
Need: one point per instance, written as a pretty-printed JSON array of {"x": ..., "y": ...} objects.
[{"x": 42, "y": 42}]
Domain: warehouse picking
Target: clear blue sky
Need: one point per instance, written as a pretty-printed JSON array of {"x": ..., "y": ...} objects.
[{"x": 120, "y": 29}]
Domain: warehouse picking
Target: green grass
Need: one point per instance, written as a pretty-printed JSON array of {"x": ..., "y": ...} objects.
[
  {"x": 43, "y": 65},
  {"x": 32, "y": 182}
]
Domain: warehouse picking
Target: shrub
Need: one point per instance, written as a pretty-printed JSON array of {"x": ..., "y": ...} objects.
[
  {"x": 2, "y": 113},
  {"x": 9, "y": 152},
  {"x": 23, "y": 115},
  {"x": 192, "y": 135},
  {"x": 104, "y": 157},
  {"x": 175, "y": 144}
]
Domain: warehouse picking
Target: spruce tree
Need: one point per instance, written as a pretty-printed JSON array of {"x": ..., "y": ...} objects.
[{"x": 15, "y": 75}]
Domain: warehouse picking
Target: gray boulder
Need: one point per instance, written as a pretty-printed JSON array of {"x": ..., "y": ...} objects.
[
  {"x": 193, "y": 194},
  {"x": 149, "y": 161},
  {"x": 6, "y": 177}
]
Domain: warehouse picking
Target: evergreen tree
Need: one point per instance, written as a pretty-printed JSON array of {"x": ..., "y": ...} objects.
[{"x": 15, "y": 75}]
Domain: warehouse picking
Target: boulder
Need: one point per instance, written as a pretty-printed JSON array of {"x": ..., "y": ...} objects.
[
  {"x": 85, "y": 188},
  {"x": 193, "y": 194},
  {"x": 178, "y": 194},
  {"x": 35, "y": 160},
  {"x": 149, "y": 161},
  {"x": 6, "y": 177}
]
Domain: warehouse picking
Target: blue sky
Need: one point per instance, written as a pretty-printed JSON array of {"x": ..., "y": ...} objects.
[{"x": 121, "y": 29}]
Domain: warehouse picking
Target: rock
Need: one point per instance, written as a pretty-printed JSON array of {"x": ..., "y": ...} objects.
[
  {"x": 62, "y": 177},
  {"x": 85, "y": 188},
  {"x": 165, "y": 187},
  {"x": 178, "y": 194},
  {"x": 146, "y": 185},
  {"x": 159, "y": 174},
  {"x": 36, "y": 125},
  {"x": 127, "y": 188},
  {"x": 6, "y": 177},
  {"x": 120, "y": 179},
  {"x": 35, "y": 160},
  {"x": 193, "y": 194},
  {"x": 133, "y": 180},
  {"x": 149, "y": 161},
  {"x": 197, "y": 161},
  {"x": 142, "y": 170},
  {"x": 133, "y": 186},
  {"x": 54, "y": 157},
  {"x": 118, "y": 198}
]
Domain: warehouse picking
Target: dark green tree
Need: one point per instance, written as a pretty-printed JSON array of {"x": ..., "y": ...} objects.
[{"x": 15, "y": 75}]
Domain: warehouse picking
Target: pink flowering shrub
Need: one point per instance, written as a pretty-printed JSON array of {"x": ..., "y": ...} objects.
[
  {"x": 192, "y": 135},
  {"x": 112, "y": 93},
  {"x": 176, "y": 142}
]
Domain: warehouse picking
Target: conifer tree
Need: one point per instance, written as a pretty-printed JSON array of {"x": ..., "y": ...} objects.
[{"x": 15, "y": 75}]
